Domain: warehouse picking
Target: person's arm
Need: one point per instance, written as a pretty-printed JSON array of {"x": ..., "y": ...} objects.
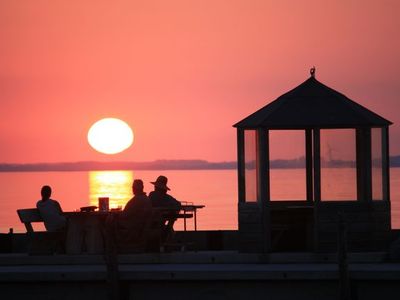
[
  {"x": 58, "y": 207},
  {"x": 174, "y": 202},
  {"x": 128, "y": 207}
]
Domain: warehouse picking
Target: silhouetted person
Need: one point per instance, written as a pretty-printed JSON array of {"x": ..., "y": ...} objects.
[
  {"x": 161, "y": 200},
  {"x": 135, "y": 220},
  {"x": 140, "y": 204},
  {"x": 159, "y": 197},
  {"x": 50, "y": 210}
]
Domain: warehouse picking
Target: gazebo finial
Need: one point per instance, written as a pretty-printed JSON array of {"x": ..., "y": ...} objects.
[{"x": 312, "y": 72}]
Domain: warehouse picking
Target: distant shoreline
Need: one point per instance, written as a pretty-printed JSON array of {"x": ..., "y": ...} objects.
[
  {"x": 168, "y": 165},
  {"x": 105, "y": 166}
]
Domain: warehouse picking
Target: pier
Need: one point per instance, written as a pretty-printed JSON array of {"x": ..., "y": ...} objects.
[{"x": 195, "y": 275}]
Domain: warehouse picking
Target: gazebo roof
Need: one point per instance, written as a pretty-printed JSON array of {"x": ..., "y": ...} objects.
[{"x": 312, "y": 104}]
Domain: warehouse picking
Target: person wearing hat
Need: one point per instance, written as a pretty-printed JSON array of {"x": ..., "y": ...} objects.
[{"x": 159, "y": 197}]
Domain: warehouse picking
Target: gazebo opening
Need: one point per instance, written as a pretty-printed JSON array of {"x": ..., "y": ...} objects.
[
  {"x": 250, "y": 171},
  {"x": 338, "y": 165},
  {"x": 287, "y": 165}
]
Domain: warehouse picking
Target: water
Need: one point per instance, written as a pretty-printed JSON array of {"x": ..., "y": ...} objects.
[{"x": 217, "y": 189}]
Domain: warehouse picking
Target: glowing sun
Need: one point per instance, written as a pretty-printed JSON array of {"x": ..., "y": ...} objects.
[{"x": 110, "y": 136}]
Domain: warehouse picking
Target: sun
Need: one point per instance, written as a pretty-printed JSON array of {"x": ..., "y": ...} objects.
[{"x": 110, "y": 136}]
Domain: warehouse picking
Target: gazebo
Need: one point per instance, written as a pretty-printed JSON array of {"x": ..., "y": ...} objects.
[{"x": 342, "y": 168}]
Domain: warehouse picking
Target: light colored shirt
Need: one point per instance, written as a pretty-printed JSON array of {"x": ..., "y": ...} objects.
[{"x": 50, "y": 210}]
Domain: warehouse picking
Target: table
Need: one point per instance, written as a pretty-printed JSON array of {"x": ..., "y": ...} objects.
[
  {"x": 191, "y": 208},
  {"x": 170, "y": 215},
  {"x": 86, "y": 228},
  {"x": 188, "y": 211}
]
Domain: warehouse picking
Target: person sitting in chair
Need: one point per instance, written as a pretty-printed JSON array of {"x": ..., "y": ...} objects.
[
  {"x": 134, "y": 220},
  {"x": 140, "y": 204},
  {"x": 51, "y": 212},
  {"x": 160, "y": 198}
]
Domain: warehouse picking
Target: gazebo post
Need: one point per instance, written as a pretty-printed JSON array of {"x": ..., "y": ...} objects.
[
  {"x": 309, "y": 165},
  {"x": 385, "y": 164},
  {"x": 241, "y": 166},
  {"x": 263, "y": 186},
  {"x": 316, "y": 183},
  {"x": 317, "y": 165},
  {"x": 363, "y": 162}
]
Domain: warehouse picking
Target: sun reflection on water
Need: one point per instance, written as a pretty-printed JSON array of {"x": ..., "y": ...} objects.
[{"x": 117, "y": 185}]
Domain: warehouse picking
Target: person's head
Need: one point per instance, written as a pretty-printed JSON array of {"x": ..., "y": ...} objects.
[
  {"x": 161, "y": 184},
  {"x": 137, "y": 186},
  {"x": 45, "y": 192}
]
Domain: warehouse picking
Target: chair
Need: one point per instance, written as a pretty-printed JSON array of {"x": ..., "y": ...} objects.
[
  {"x": 168, "y": 240},
  {"x": 133, "y": 235},
  {"x": 39, "y": 242},
  {"x": 147, "y": 232}
]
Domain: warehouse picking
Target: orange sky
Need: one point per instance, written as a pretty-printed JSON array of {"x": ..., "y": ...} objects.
[{"x": 180, "y": 72}]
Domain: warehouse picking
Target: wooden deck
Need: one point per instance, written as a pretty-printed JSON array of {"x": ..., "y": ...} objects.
[
  {"x": 216, "y": 270},
  {"x": 197, "y": 275}
]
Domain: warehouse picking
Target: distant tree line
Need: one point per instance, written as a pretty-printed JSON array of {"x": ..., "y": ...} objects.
[{"x": 175, "y": 165}]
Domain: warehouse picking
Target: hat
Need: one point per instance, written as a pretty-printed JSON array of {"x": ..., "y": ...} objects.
[{"x": 161, "y": 182}]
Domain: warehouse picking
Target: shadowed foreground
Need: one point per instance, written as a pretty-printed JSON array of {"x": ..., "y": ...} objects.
[{"x": 202, "y": 274}]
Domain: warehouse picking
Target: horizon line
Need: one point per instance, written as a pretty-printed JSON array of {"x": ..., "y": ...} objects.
[{"x": 165, "y": 164}]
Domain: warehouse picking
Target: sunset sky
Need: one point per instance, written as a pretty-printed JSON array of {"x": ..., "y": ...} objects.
[{"x": 181, "y": 73}]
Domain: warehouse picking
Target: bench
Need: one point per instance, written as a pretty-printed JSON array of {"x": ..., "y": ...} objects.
[{"x": 39, "y": 242}]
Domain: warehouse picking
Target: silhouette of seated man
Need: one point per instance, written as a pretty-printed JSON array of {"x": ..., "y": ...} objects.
[
  {"x": 161, "y": 199},
  {"x": 134, "y": 220},
  {"x": 50, "y": 211}
]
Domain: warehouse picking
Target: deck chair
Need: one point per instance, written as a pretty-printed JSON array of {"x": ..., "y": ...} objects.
[
  {"x": 40, "y": 242},
  {"x": 168, "y": 241}
]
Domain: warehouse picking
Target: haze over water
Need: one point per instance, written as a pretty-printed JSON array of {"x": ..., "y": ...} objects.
[{"x": 217, "y": 189}]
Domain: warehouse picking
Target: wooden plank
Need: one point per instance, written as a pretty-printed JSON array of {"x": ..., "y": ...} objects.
[
  {"x": 374, "y": 221},
  {"x": 352, "y": 206},
  {"x": 356, "y": 227},
  {"x": 371, "y": 218},
  {"x": 374, "y": 205},
  {"x": 29, "y": 215}
]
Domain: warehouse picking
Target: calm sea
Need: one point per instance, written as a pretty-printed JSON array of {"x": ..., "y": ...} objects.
[{"x": 216, "y": 189}]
